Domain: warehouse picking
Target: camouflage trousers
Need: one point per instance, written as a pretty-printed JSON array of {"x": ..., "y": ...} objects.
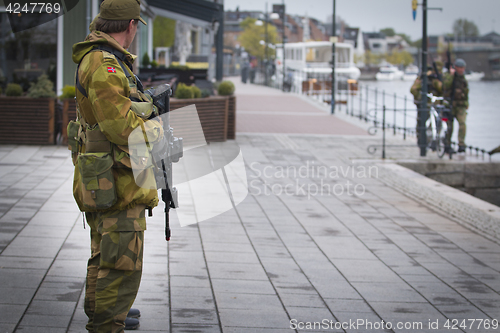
[
  {"x": 459, "y": 113},
  {"x": 114, "y": 269}
]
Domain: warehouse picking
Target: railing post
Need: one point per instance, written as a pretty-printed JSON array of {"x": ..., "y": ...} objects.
[
  {"x": 404, "y": 121},
  {"x": 395, "y": 108},
  {"x": 352, "y": 103},
  {"x": 376, "y": 106},
  {"x": 366, "y": 109},
  {"x": 360, "y": 102},
  {"x": 383, "y": 131}
]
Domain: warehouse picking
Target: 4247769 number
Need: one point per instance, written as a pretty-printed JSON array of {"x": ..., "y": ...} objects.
[
  {"x": 33, "y": 7},
  {"x": 455, "y": 324}
]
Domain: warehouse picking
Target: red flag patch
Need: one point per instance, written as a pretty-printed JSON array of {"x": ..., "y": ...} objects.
[{"x": 111, "y": 70}]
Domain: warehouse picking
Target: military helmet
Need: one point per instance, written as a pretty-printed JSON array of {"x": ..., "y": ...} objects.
[
  {"x": 117, "y": 10},
  {"x": 460, "y": 63}
]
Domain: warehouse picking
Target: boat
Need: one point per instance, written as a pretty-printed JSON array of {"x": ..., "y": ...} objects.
[
  {"x": 389, "y": 73},
  {"x": 474, "y": 76},
  {"x": 312, "y": 60},
  {"x": 411, "y": 73}
]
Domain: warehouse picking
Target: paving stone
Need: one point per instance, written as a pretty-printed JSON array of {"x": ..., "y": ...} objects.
[
  {"x": 264, "y": 318},
  {"x": 387, "y": 292},
  {"x": 243, "y": 286},
  {"x": 52, "y": 321},
  {"x": 20, "y": 278},
  {"x": 195, "y": 328},
  {"x": 17, "y": 296}
]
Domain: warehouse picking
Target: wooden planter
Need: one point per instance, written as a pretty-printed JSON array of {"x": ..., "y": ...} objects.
[
  {"x": 27, "y": 120},
  {"x": 217, "y": 116},
  {"x": 231, "y": 118}
]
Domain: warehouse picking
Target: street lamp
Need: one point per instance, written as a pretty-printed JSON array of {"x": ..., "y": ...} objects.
[
  {"x": 259, "y": 22},
  {"x": 333, "y": 39}
]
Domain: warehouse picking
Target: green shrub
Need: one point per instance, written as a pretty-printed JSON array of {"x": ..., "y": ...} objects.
[
  {"x": 205, "y": 93},
  {"x": 180, "y": 67},
  {"x": 14, "y": 89},
  {"x": 226, "y": 88},
  {"x": 196, "y": 91},
  {"x": 43, "y": 88},
  {"x": 183, "y": 91},
  {"x": 68, "y": 92},
  {"x": 154, "y": 64},
  {"x": 145, "y": 60}
]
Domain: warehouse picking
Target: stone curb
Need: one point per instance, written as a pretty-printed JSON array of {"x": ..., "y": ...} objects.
[{"x": 467, "y": 210}]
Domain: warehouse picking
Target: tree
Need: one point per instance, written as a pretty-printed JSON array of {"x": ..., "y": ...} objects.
[
  {"x": 465, "y": 28},
  {"x": 406, "y": 38},
  {"x": 389, "y": 32},
  {"x": 163, "y": 32},
  {"x": 399, "y": 57},
  {"x": 371, "y": 58},
  {"x": 252, "y": 36}
]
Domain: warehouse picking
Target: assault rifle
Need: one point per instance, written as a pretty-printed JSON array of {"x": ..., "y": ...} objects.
[{"x": 168, "y": 151}]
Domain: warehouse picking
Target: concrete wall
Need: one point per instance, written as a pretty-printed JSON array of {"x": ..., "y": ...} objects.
[{"x": 481, "y": 180}]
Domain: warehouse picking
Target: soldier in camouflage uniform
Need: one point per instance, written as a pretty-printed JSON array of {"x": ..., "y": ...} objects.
[
  {"x": 456, "y": 89},
  {"x": 110, "y": 106},
  {"x": 435, "y": 87}
]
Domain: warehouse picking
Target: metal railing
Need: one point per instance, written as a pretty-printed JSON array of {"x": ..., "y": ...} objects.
[{"x": 388, "y": 112}]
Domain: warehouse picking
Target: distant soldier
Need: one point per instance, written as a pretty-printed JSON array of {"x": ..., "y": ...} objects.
[
  {"x": 434, "y": 86},
  {"x": 456, "y": 90}
]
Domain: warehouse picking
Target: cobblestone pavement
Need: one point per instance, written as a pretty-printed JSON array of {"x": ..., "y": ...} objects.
[{"x": 319, "y": 238}]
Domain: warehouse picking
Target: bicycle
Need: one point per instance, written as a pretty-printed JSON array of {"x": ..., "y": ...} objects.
[{"x": 437, "y": 126}]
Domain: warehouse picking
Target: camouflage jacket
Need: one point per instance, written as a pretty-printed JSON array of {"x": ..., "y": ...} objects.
[
  {"x": 109, "y": 107},
  {"x": 436, "y": 88},
  {"x": 461, "y": 94}
]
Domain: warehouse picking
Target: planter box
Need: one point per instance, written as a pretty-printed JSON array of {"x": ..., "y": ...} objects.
[
  {"x": 27, "y": 120},
  {"x": 213, "y": 114},
  {"x": 231, "y": 118},
  {"x": 217, "y": 116}
]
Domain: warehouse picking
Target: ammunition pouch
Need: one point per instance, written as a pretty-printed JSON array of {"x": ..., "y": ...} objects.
[
  {"x": 95, "y": 190},
  {"x": 96, "y": 141}
]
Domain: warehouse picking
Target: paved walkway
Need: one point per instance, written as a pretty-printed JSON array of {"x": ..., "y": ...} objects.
[{"x": 320, "y": 238}]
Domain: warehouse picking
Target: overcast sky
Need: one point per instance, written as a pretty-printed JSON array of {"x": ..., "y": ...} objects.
[{"x": 373, "y": 15}]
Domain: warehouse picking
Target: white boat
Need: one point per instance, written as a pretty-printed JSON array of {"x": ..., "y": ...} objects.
[
  {"x": 389, "y": 73},
  {"x": 312, "y": 60},
  {"x": 411, "y": 73},
  {"x": 474, "y": 76}
]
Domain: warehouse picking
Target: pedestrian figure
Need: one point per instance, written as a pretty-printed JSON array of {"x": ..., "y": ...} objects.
[
  {"x": 434, "y": 86},
  {"x": 456, "y": 90}
]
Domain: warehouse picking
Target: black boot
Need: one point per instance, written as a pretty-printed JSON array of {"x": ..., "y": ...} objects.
[
  {"x": 131, "y": 323},
  {"x": 134, "y": 313},
  {"x": 449, "y": 150},
  {"x": 461, "y": 149}
]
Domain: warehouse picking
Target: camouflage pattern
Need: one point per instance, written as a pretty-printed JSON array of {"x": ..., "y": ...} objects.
[
  {"x": 107, "y": 118},
  {"x": 436, "y": 87},
  {"x": 108, "y": 106},
  {"x": 461, "y": 95},
  {"x": 97, "y": 186},
  {"x": 114, "y": 268},
  {"x": 460, "y": 114},
  {"x": 460, "y": 103}
]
